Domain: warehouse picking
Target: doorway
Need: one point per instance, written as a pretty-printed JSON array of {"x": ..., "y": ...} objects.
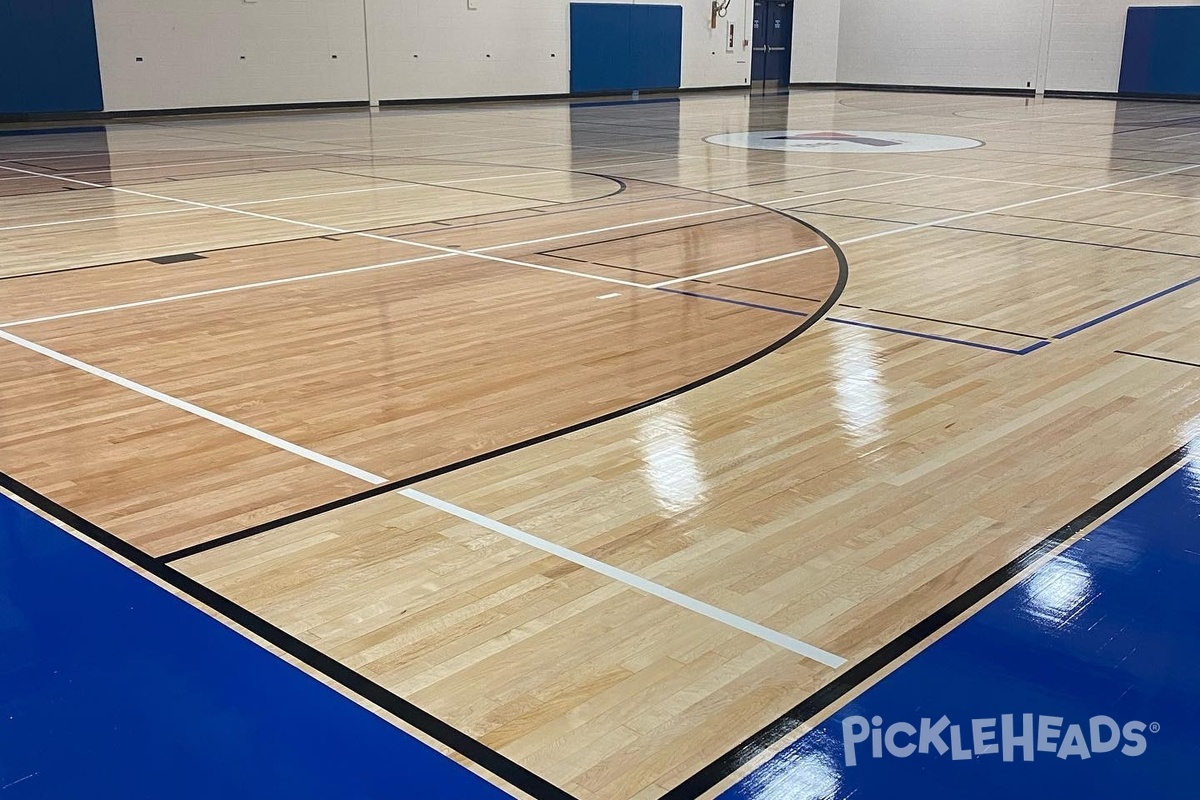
[{"x": 771, "y": 59}]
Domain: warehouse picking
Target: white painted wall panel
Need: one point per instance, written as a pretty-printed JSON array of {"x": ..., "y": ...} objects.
[
  {"x": 977, "y": 43},
  {"x": 192, "y": 52},
  {"x": 815, "y": 32}
]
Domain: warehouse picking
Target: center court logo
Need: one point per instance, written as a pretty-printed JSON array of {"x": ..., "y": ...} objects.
[{"x": 1027, "y": 734}]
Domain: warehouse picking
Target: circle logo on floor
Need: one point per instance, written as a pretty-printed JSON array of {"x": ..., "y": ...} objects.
[{"x": 843, "y": 141}]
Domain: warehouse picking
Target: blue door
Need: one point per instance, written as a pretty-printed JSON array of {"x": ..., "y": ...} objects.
[{"x": 771, "y": 59}]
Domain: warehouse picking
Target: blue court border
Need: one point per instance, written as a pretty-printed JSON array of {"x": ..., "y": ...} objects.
[
  {"x": 1102, "y": 634},
  {"x": 111, "y": 686},
  {"x": 490, "y": 760}
]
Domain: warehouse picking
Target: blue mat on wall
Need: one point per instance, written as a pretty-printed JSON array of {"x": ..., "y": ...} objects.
[
  {"x": 1162, "y": 51},
  {"x": 625, "y": 47},
  {"x": 48, "y": 60}
]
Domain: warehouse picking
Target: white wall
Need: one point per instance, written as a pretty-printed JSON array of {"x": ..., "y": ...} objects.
[
  {"x": 815, "y": 33},
  {"x": 1066, "y": 45},
  {"x": 192, "y": 52},
  {"x": 978, "y": 43},
  {"x": 1086, "y": 39},
  {"x": 440, "y": 48}
]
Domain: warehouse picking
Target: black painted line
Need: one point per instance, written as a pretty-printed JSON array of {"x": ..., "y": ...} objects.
[
  {"x": 609, "y": 266},
  {"x": 830, "y": 302},
  {"x": 1098, "y": 224},
  {"x": 620, "y": 188},
  {"x": 476, "y": 751},
  {"x": 1157, "y": 358},
  {"x": 783, "y": 180},
  {"x": 965, "y": 229},
  {"x": 550, "y": 211},
  {"x": 1074, "y": 241},
  {"x": 658, "y": 231},
  {"x": 773, "y": 294},
  {"x": 828, "y": 696},
  {"x": 959, "y": 324}
]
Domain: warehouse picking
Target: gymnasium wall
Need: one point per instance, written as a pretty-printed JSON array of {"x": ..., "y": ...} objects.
[
  {"x": 1062, "y": 45},
  {"x": 984, "y": 43},
  {"x": 440, "y": 48},
  {"x": 1086, "y": 43},
  {"x": 157, "y": 54},
  {"x": 198, "y": 53}
]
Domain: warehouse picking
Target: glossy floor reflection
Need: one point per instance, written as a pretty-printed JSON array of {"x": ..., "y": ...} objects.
[{"x": 1104, "y": 637}]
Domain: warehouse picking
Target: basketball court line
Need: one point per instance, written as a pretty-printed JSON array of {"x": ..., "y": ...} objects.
[
  {"x": 935, "y": 223},
  {"x": 450, "y": 252},
  {"x": 346, "y": 271},
  {"x": 1158, "y": 358},
  {"x": 331, "y": 228},
  {"x": 630, "y": 579}
]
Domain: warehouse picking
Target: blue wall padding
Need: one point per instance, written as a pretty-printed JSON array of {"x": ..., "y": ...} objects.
[
  {"x": 622, "y": 47},
  {"x": 48, "y": 59},
  {"x": 1162, "y": 51}
]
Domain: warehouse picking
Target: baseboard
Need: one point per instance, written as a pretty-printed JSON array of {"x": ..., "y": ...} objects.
[
  {"x": 599, "y": 96},
  {"x": 890, "y": 87},
  {"x": 1111, "y": 96},
  {"x": 100, "y": 116}
]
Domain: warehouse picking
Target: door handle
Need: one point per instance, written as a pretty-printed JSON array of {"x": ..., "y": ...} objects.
[{"x": 761, "y": 49}]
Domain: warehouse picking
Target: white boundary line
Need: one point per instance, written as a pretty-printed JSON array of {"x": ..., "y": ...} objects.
[
  {"x": 1010, "y": 206},
  {"x": 923, "y": 225},
  {"x": 335, "y": 229},
  {"x": 632, "y": 580},
  {"x": 737, "y": 267},
  {"x": 222, "y": 290},
  {"x": 195, "y": 410},
  {"x": 621, "y": 576},
  {"x": 404, "y": 262},
  {"x": 347, "y": 271}
]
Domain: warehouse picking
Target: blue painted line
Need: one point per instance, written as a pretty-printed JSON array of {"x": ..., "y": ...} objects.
[
  {"x": 857, "y": 324},
  {"x": 1035, "y": 346},
  {"x": 113, "y": 687},
  {"x": 1124, "y": 309},
  {"x": 1107, "y": 633}
]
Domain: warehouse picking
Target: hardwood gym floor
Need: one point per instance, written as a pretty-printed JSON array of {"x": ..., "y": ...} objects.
[{"x": 603, "y": 445}]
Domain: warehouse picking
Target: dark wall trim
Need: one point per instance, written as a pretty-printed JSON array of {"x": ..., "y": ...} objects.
[
  {"x": 890, "y": 87},
  {"x": 1169, "y": 98},
  {"x": 559, "y": 96},
  {"x": 101, "y": 116},
  {"x": 177, "y": 112},
  {"x": 1063, "y": 93}
]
